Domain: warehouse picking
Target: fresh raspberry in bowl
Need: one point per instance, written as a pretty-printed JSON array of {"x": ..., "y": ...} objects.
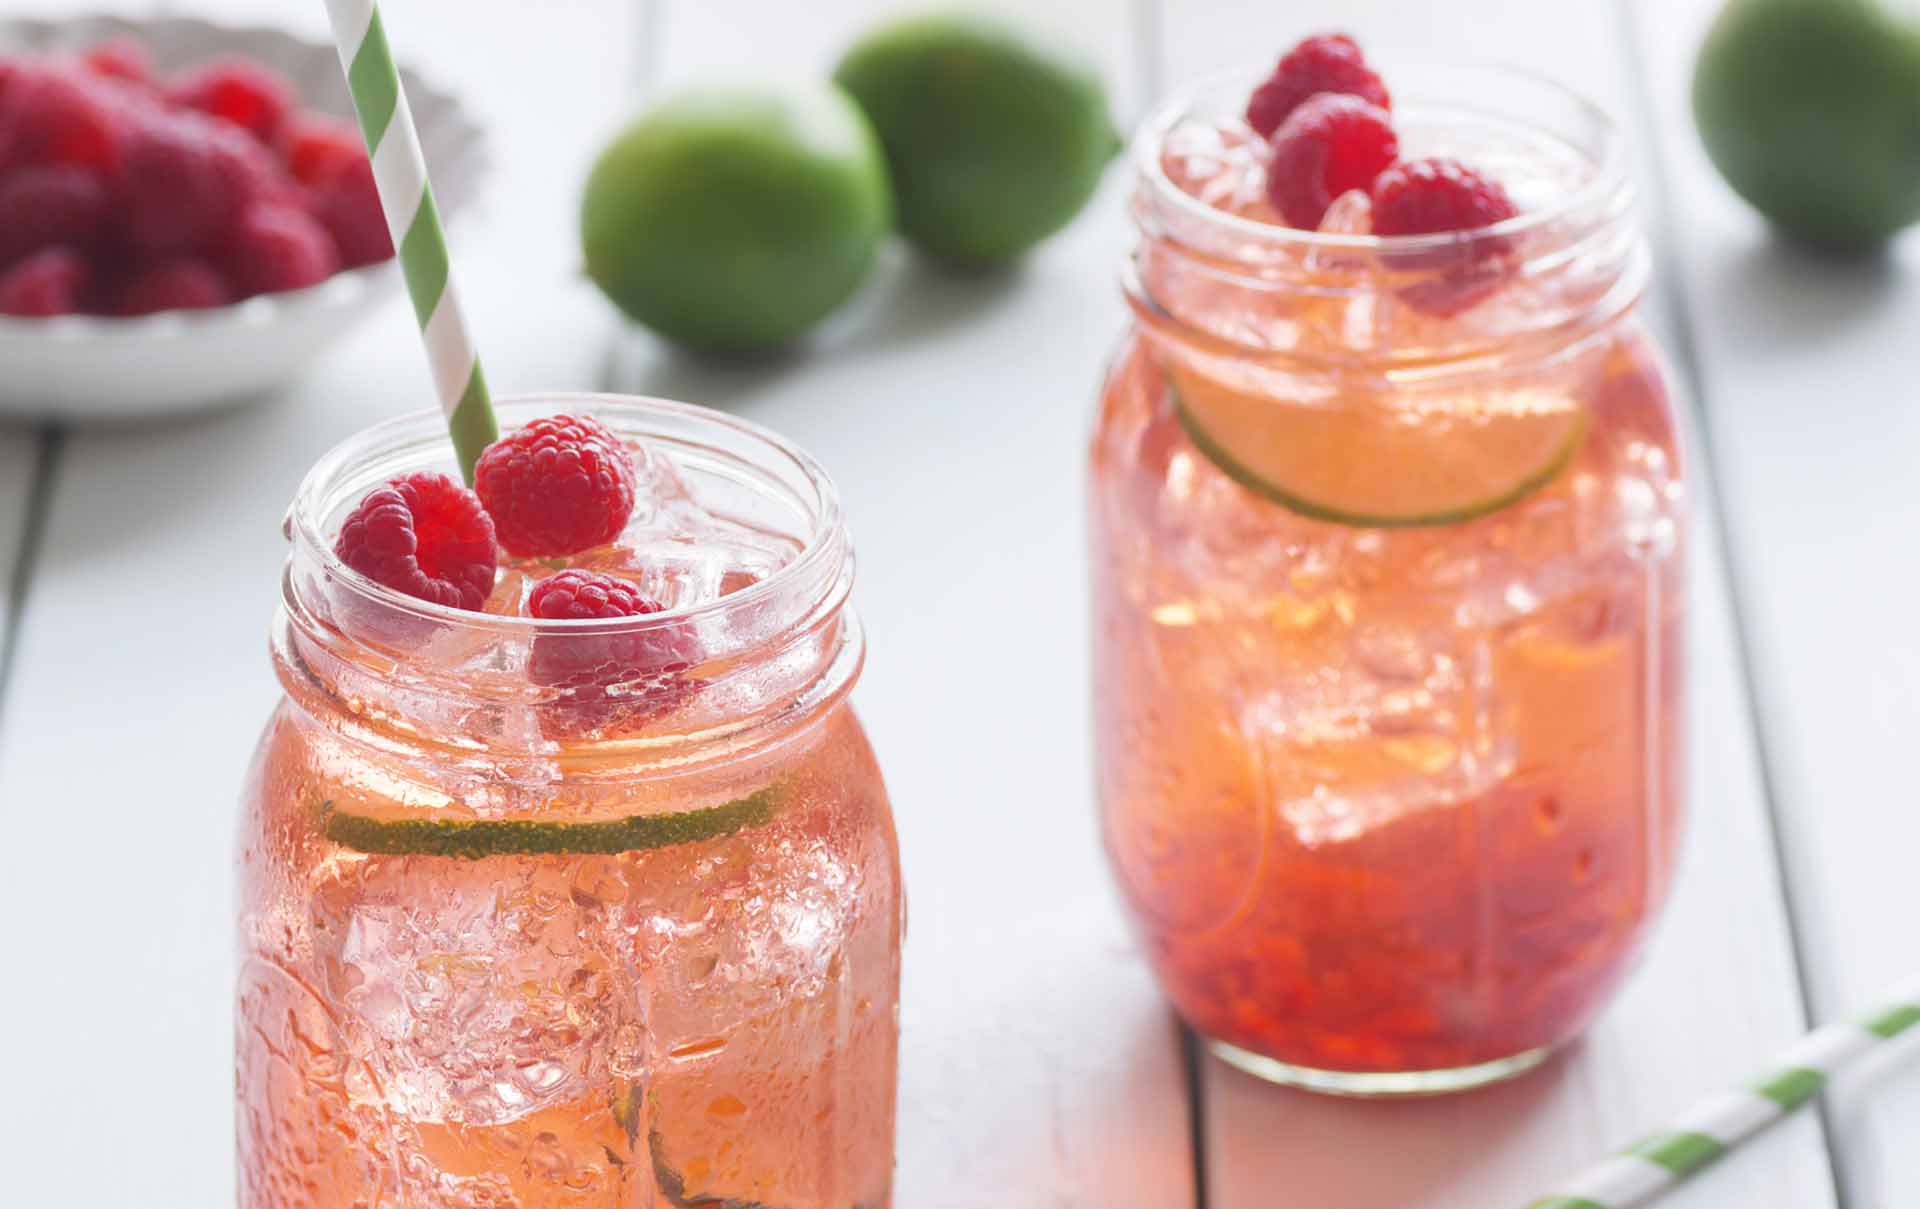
[
  {"x": 47, "y": 204},
  {"x": 348, "y": 205},
  {"x": 216, "y": 163},
  {"x": 277, "y": 247},
  {"x": 52, "y": 281},
  {"x": 316, "y": 147},
  {"x": 237, "y": 90},
  {"x": 152, "y": 308},
  {"x": 123, "y": 59},
  {"x": 184, "y": 284},
  {"x": 54, "y": 112}
]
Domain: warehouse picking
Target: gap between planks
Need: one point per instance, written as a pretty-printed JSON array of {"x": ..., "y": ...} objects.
[{"x": 49, "y": 443}]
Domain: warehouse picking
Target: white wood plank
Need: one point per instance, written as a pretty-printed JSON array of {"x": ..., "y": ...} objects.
[
  {"x": 1805, "y": 369},
  {"x": 1038, "y": 1065},
  {"x": 142, "y": 675},
  {"x": 1711, "y": 1003},
  {"x": 20, "y": 444}
]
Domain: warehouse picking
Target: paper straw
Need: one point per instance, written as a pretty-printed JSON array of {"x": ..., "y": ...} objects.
[
  {"x": 406, "y": 197},
  {"x": 1713, "y": 1127}
]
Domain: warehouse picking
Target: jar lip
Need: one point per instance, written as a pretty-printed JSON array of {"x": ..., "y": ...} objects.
[
  {"x": 375, "y": 454},
  {"x": 1609, "y": 175}
]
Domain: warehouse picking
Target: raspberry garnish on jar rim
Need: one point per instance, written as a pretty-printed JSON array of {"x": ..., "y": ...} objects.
[
  {"x": 1327, "y": 120},
  {"x": 557, "y": 485},
  {"x": 1324, "y": 115}
]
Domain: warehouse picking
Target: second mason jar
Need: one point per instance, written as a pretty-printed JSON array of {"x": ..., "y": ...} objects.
[
  {"x": 512, "y": 935},
  {"x": 1387, "y": 541}
]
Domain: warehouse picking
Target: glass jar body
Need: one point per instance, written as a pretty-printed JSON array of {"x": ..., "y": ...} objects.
[
  {"x": 1391, "y": 808},
  {"x": 568, "y": 1029}
]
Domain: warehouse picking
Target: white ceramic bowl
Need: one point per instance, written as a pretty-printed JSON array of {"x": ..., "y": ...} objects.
[{"x": 83, "y": 367}]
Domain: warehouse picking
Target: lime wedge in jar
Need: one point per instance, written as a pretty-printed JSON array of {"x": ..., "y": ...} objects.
[
  {"x": 472, "y": 839},
  {"x": 1376, "y": 466}
]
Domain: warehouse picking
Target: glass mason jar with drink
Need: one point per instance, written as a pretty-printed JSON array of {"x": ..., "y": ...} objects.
[
  {"x": 569, "y": 881},
  {"x": 1387, "y": 524}
]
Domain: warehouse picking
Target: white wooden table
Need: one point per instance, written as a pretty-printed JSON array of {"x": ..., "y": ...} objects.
[{"x": 1039, "y": 1067}]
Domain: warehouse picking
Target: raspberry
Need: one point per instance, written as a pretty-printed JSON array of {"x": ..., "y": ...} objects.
[
  {"x": 120, "y": 59},
  {"x": 315, "y": 149},
  {"x": 50, "y": 282},
  {"x": 274, "y": 248},
  {"x": 349, "y": 207},
  {"x": 425, "y": 535},
  {"x": 1330, "y": 144},
  {"x": 187, "y": 177},
  {"x": 1421, "y": 197},
  {"x": 241, "y": 91},
  {"x": 647, "y": 665},
  {"x": 185, "y": 284},
  {"x": 1425, "y": 197},
  {"x": 560, "y": 485},
  {"x": 51, "y": 204},
  {"x": 255, "y": 173},
  {"x": 1323, "y": 63},
  {"x": 177, "y": 192},
  {"x": 56, "y": 114}
]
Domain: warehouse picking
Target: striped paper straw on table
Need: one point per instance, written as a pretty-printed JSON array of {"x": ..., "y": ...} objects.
[
  {"x": 406, "y": 196},
  {"x": 1711, "y": 1128}
]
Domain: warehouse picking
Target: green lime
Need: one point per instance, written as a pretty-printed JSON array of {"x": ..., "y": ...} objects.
[
  {"x": 1811, "y": 110},
  {"x": 1370, "y": 466},
  {"x": 994, "y": 138},
  {"x": 735, "y": 219},
  {"x": 471, "y": 839}
]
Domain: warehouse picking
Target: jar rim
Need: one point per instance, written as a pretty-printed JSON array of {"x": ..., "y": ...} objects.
[
  {"x": 377, "y": 453},
  {"x": 1609, "y": 176}
]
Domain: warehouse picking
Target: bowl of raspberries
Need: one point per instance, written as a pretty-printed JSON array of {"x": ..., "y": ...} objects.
[{"x": 187, "y": 213}]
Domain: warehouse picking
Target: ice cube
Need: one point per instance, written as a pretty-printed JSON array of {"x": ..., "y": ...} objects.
[
  {"x": 473, "y": 995},
  {"x": 1350, "y": 214},
  {"x": 1224, "y": 167}
]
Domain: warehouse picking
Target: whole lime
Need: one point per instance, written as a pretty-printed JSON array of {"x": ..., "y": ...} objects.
[
  {"x": 736, "y": 218},
  {"x": 994, "y": 138},
  {"x": 1811, "y": 110}
]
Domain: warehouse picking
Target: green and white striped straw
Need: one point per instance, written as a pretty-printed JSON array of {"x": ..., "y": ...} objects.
[
  {"x": 1713, "y": 1127},
  {"x": 400, "y": 173}
]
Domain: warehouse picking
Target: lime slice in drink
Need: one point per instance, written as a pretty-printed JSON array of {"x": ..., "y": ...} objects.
[
  {"x": 471, "y": 839},
  {"x": 1378, "y": 467}
]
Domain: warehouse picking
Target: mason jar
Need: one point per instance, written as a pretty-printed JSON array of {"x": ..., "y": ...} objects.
[
  {"x": 1387, "y": 545},
  {"x": 503, "y": 941}
]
